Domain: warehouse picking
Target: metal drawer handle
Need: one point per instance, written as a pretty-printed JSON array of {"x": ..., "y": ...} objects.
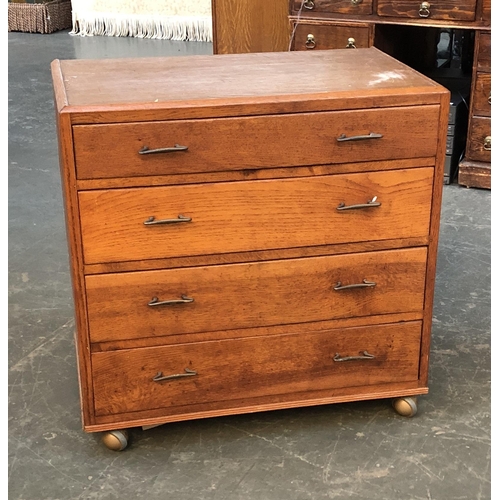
[
  {"x": 351, "y": 43},
  {"x": 364, "y": 356},
  {"x": 151, "y": 221},
  {"x": 155, "y": 301},
  {"x": 369, "y": 204},
  {"x": 308, "y": 4},
  {"x": 489, "y": 99},
  {"x": 425, "y": 9},
  {"x": 146, "y": 151},
  {"x": 365, "y": 284},
  {"x": 371, "y": 135},
  {"x": 189, "y": 373},
  {"x": 310, "y": 42},
  {"x": 487, "y": 143},
  {"x": 356, "y": 2}
]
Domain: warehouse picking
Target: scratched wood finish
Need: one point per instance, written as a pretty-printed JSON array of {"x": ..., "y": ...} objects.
[
  {"x": 150, "y": 86},
  {"x": 231, "y": 143},
  {"x": 332, "y": 7},
  {"x": 330, "y": 36},
  {"x": 250, "y": 26},
  {"x": 253, "y": 215},
  {"x": 253, "y": 367},
  {"x": 456, "y": 10},
  {"x": 268, "y": 293}
]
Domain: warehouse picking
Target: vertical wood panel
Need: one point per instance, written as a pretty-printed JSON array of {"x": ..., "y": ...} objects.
[{"x": 241, "y": 26}]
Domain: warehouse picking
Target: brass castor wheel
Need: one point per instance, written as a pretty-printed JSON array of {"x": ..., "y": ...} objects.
[
  {"x": 407, "y": 407},
  {"x": 115, "y": 440}
]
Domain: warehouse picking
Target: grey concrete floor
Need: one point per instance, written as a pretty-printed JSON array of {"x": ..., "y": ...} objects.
[{"x": 346, "y": 451}]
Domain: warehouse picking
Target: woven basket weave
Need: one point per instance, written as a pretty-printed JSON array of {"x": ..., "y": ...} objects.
[{"x": 45, "y": 17}]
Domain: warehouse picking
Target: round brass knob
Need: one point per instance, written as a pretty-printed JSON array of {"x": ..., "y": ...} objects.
[
  {"x": 425, "y": 9},
  {"x": 310, "y": 42},
  {"x": 115, "y": 440},
  {"x": 308, "y": 4},
  {"x": 351, "y": 43},
  {"x": 487, "y": 143}
]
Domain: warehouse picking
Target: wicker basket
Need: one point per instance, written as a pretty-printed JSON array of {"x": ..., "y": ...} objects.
[{"x": 41, "y": 17}]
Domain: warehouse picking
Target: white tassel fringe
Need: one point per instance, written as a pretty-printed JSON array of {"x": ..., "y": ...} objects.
[{"x": 184, "y": 28}]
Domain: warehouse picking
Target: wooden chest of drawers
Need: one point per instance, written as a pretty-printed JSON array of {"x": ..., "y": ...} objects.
[{"x": 249, "y": 232}]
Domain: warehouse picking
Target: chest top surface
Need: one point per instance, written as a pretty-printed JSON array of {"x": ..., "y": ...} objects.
[{"x": 239, "y": 78}]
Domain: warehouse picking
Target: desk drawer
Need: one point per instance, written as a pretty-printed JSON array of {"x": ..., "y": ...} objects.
[
  {"x": 482, "y": 95},
  {"x": 107, "y": 151},
  {"x": 484, "y": 51},
  {"x": 312, "y": 7},
  {"x": 202, "y": 299},
  {"x": 241, "y": 369},
  {"x": 447, "y": 10},
  {"x": 320, "y": 36},
  {"x": 206, "y": 219},
  {"x": 479, "y": 145}
]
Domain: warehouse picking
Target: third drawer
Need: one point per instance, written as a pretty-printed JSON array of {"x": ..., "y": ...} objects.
[{"x": 160, "y": 303}]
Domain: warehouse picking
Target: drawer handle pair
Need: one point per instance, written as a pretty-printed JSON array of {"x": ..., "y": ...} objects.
[
  {"x": 364, "y": 284},
  {"x": 146, "y": 151},
  {"x": 371, "y": 135},
  {"x": 151, "y": 221},
  {"x": 159, "y": 377},
  {"x": 155, "y": 301},
  {"x": 364, "y": 356},
  {"x": 369, "y": 204}
]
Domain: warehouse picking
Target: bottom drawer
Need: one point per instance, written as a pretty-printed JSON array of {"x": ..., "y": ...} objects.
[
  {"x": 479, "y": 145},
  {"x": 218, "y": 371}
]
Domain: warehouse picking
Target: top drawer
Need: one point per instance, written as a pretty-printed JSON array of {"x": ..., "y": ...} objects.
[
  {"x": 453, "y": 10},
  {"x": 222, "y": 144},
  {"x": 359, "y": 7}
]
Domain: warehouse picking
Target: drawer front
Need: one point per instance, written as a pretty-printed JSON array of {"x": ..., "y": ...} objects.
[
  {"x": 479, "y": 146},
  {"x": 121, "y": 225},
  {"x": 310, "y": 36},
  {"x": 484, "y": 52},
  {"x": 482, "y": 95},
  {"x": 241, "y": 369},
  {"x": 192, "y": 300},
  {"x": 107, "y": 151},
  {"x": 356, "y": 7},
  {"x": 448, "y": 10},
  {"x": 486, "y": 13}
]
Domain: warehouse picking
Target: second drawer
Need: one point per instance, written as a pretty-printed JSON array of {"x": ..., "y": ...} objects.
[
  {"x": 202, "y": 299},
  {"x": 143, "y": 223}
]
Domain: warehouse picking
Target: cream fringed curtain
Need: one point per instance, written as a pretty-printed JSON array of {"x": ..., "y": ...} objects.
[{"x": 168, "y": 19}]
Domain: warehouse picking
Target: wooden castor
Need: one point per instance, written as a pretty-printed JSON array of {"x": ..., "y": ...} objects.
[
  {"x": 115, "y": 440},
  {"x": 407, "y": 406}
]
